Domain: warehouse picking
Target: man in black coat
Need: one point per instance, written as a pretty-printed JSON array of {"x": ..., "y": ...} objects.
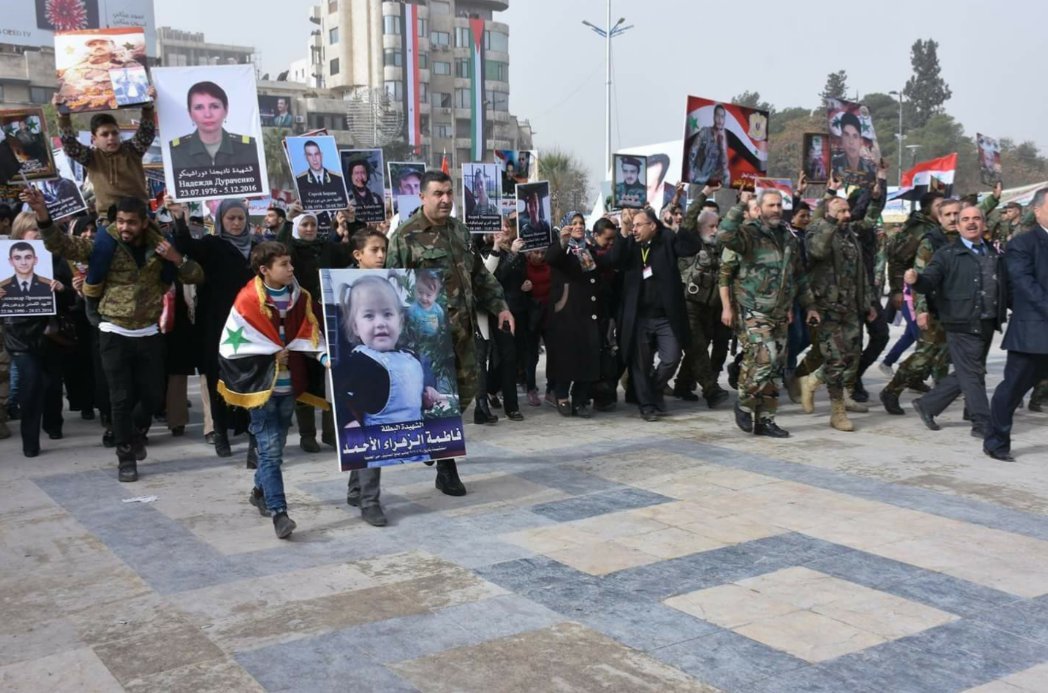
[
  {"x": 652, "y": 314},
  {"x": 1027, "y": 337},
  {"x": 971, "y": 292}
]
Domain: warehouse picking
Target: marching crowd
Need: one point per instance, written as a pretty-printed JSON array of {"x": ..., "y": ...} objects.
[{"x": 647, "y": 303}]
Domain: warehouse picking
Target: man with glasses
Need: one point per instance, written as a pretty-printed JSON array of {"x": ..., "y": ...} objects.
[{"x": 114, "y": 167}]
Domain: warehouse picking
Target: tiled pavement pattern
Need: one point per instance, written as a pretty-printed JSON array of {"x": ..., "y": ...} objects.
[{"x": 601, "y": 555}]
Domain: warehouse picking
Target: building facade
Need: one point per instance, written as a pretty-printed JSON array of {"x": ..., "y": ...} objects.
[
  {"x": 358, "y": 45},
  {"x": 27, "y": 75},
  {"x": 177, "y": 48}
]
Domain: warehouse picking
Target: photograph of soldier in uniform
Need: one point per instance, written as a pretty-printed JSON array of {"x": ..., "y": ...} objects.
[
  {"x": 130, "y": 85},
  {"x": 724, "y": 143},
  {"x": 853, "y": 143},
  {"x": 405, "y": 180},
  {"x": 533, "y": 214},
  {"x": 25, "y": 133},
  {"x": 481, "y": 194},
  {"x": 25, "y": 291},
  {"x": 84, "y": 61},
  {"x": 319, "y": 186},
  {"x": 220, "y": 155},
  {"x": 517, "y": 167},
  {"x": 816, "y": 150},
  {"x": 630, "y": 187},
  {"x": 363, "y": 170},
  {"x": 989, "y": 159}
]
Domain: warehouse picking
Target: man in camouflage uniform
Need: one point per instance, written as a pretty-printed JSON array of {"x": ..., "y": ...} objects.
[
  {"x": 431, "y": 239},
  {"x": 700, "y": 275},
  {"x": 1002, "y": 224},
  {"x": 768, "y": 277},
  {"x": 931, "y": 356},
  {"x": 843, "y": 296}
]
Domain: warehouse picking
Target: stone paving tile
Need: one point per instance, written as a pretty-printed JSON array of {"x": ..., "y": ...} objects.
[
  {"x": 142, "y": 656},
  {"x": 727, "y": 660},
  {"x": 74, "y": 669},
  {"x": 1030, "y": 680},
  {"x": 562, "y": 657},
  {"x": 594, "y": 504}
]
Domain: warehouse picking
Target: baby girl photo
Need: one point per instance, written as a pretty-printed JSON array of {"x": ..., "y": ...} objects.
[{"x": 392, "y": 367}]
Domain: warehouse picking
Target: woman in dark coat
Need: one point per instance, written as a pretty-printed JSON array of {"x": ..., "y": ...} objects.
[
  {"x": 573, "y": 322},
  {"x": 224, "y": 257}
]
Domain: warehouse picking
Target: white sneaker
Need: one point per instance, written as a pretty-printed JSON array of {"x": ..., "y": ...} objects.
[{"x": 886, "y": 369}]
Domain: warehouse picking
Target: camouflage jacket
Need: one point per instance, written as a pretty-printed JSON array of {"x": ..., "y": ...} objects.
[
  {"x": 420, "y": 244},
  {"x": 132, "y": 297},
  {"x": 931, "y": 242},
  {"x": 837, "y": 274},
  {"x": 700, "y": 273},
  {"x": 769, "y": 275}
]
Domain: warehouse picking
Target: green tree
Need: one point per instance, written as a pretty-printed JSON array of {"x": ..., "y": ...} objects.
[
  {"x": 926, "y": 89},
  {"x": 836, "y": 86},
  {"x": 276, "y": 160},
  {"x": 752, "y": 99},
  {"x": 568, "y": 181}
]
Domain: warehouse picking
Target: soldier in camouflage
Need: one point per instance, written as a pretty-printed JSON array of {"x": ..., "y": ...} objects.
[
  {"x": 700, "y": 275},
  {"x": 431, "y": 239},
  {"x": 1002, "y": 224},
  {"x": 768, "y": 277},
  {"x": 931, "y": 356},
  {"x": 843, "y": 296}
]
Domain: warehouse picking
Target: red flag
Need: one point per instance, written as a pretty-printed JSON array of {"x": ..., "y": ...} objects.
[
  {"x": 444, "y": 166},
  {"x": 941, "y": 169}
]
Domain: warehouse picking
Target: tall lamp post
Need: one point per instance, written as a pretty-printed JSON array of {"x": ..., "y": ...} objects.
[
  {"x": 899, "y": 135},
  {"x": 607, "y": 34}
]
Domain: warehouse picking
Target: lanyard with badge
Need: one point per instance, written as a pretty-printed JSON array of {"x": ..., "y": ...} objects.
[{"x": 647, "y": 272}]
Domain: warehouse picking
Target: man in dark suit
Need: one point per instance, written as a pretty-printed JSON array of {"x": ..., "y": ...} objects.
[
  {"x": 971, "y": 296},
  {"x": 24, "y": 282},
  {"x": 1027, "y": 337}
]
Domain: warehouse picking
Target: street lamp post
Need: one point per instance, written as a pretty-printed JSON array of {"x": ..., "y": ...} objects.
[
  {"x": 899, "y": 135},
  {"x": 607, "y": 34}
]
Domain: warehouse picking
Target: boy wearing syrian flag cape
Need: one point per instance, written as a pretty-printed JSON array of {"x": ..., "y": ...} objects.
[{"x": 270, "y": 332}]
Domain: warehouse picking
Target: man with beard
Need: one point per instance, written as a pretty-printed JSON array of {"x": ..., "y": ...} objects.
[{"x": 708, "y": 154}]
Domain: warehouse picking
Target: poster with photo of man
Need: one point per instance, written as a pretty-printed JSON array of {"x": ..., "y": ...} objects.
[
  {"x": 854, "y": 152},
  {"x": 395, "y": 394},
  {"x": 365, "y": 174},
  {"x": 317, "y": 169},
  {"x": 25, "y": 279},
  {"x": 629, "y": 181},
  {"x": 481, "y": 196},
  {"x": 25, "y": 137},
  {"x": 989, "y": 159},
  {"x": 533, "y": 215},
  {"x": 516, "y": 167},
  {"x": 724, "y": 143},
  {"x": 275, "y": 112},
  {"x": 62, "y": 195},
  {"x": 84, "y": 61},
  {"x": 130, "y": 85},
  {"x": 210, "y": 133},
  {"x": 816, "y": 152},
  {"x": 405, "y": 180}
]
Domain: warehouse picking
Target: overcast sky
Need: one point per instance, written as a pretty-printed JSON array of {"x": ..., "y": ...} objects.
[{"x": 989, "y": 54}]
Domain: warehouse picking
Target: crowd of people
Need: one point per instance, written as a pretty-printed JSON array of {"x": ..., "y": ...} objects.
[{"x": 647, "y": 303}]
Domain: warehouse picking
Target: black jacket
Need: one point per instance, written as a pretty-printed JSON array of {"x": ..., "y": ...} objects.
[
  {"x": 954, "y": 276},
  {"x": 1027, "y": 263},
  {"x": 625, "y": 256}
]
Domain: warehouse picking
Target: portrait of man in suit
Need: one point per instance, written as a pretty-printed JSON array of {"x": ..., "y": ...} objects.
[{"x": 25, "y": 281}]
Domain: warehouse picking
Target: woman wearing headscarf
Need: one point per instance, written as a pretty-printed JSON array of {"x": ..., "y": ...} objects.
[
  {"x": 224, "y": 257},
  {"x": 573, "y": 327},
  {"x": 309, "y": 255}
]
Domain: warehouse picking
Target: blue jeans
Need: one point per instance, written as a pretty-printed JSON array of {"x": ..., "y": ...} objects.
[
  {"x": 907, "y": 339},
  {"x": 269, "y": 424}
]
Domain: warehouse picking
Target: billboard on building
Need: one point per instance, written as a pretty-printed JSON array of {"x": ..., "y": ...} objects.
[{"x": 34, "y": 22}]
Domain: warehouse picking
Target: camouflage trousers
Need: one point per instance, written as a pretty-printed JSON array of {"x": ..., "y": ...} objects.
[
  {"x": 836, "y": 349},
  {"x": 467, "y": 374},
  {"x": 763, "y": 340},
  {"x": 700, "y": 365},
  {"x": 931, "y": 357}
]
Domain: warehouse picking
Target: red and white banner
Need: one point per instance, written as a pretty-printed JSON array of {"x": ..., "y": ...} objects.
[
  {"x": 476, "y": 100},
  {"x": 942, "y": 169},
  {"x": 412, "y": 82},
  {"x": 782, "y": 185}
]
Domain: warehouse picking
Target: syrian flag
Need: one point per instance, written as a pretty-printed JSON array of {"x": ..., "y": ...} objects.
[
  {"x": 783, "y": 185},
  {"x": 476, "y": 74},
  {"x": 412, "y": 79},
  {"x": 251, "y": 339},
  {"x": 445, "y": 167},
  {"x": 934, "y": 174}
]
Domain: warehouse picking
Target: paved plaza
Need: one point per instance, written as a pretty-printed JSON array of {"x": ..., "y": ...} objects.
[{"x": 609, "y": 554}]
